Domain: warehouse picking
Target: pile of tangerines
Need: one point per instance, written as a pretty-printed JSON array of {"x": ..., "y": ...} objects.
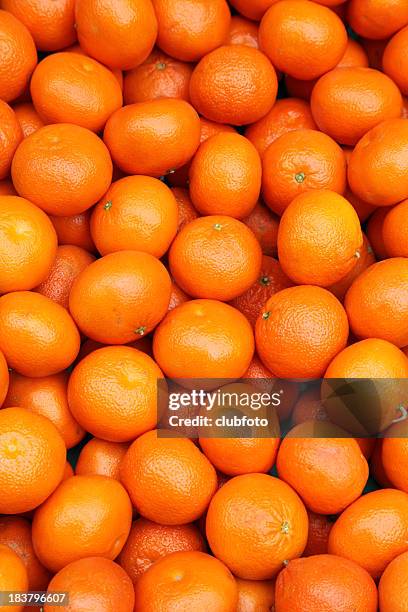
[{"x": 201, "y": 189}]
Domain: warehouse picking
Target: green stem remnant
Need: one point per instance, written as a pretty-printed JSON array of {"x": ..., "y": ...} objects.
[{"x": 140, "y": 331}]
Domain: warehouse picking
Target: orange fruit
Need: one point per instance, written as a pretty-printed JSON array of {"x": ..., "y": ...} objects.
[
  {"x": 264, "y": 224},
  {"x": 177, "y": 296},
  {"x": 299, "y": 88},
  {"x": 189, "y": 580},
  {"x": 278, "y": 535},
  {"x": 302, "y": 39},
  {"x": 325, "y": 582},
  {"x": 318, "y": 537},
  {"x": 188, "y": 31},
  {"x": 148, "y": 542},
  {"x": 153, "y": 137},
  {"x": 96, "y": 508},
  {"x": 169, "y": 480},
  {"x": 377, "y": 19},
  {"x": 74, "y": 88},
  {"x": 363, "y": 209},
  {"x": 101, "y": 457},
  {"x": 377, "y": 467},
  {"x": 394, "y": 59},
  {"x": 46, "y": 396},
  {"x": 300, "y": 161},
  {"x": 328, "y": 473},
  {"x": 11, "y": 136},
  {"x": 7, "y": 187},
  {"x": 74, "y": 230},
  {"x": 101, "y": 30},
  {"x": 18, "y": 57},
  {"x": 234, "y": 456},
  {"x": 377, "y": 302},
  {"x": 255, "y": 595},
  {"x": 394, "y": 230},
  {"x": 354, "y": 55},
  {"x": 371, "y": 358},
  {"x": 69, "y": 263},
  {"x": 373, "y": 530},
  {"x": 391, "y": 589},
  {"x": 4, "y": 378},
  {"x": 300, "y": 331},
  {"x": 211, "y": 128},
  {"x": 309, "y": 407},
  {"x": 94, "y": 583},
  {"x": 160, "y": 76},
  {"x": 225, "y": 176},
  {"x": 347, "y": 102},
  {"x": 270, "y": 280},
  {"x": 319, "y": 238},
  {"x": 32, "y": 459},
  {"x": 394, "y": 455},
  {"x": 64, "y": 169},
  {"x": 285, "y": 116},
  {"x": 38, "y": 337},
  {"x": 28, "y": 118},
  {"x": 375, "y": 231},
  {"x": 136, "y": 213},
  {"x": 242, "y": 32},
  {"x": 122, "y": 409},
  {"x": 117, "y": 73},
  {"x": 186, "y": 210},
  {"x": 376, "y": 170},
  {"x": 131, "y": 283},
  {"x": 13, "y": 575},
  {"x": 68, "y": 472},
  {"x": 215, "y": 257},
  {"x": 253, "y": 9},
  {"x": 28, "y": 244},
  {"x": 365, "y": 260},
  {"x": 15, "y": 532},
  {"x": 50, "y": 24},
  {"x": 234, "y": 84},
  {"x": 203, "y": 339}
]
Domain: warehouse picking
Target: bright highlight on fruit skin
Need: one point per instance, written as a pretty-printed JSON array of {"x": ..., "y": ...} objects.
[{"x": 204, "y": 305}]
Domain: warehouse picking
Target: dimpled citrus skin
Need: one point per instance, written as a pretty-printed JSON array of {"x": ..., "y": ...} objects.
[
  {"x": 96, "y": 509},
  {"x": 302, "y": 39},
  {"x": 28, "y": 244},
  {"x": 32, "y": 455},
  {"x": 51, "y": 24},
  {"x": 377, "y": 19},
  {"x": 137, "y": 212},
  {"x": 94, "y": 583},
  {"x": 325, "y": 583},
  {"x": 225, "y": 176},
  {"x": 234, "y": 84},
  {"x": 188, "y": 580},
  {"x": 113, "y": 393},
  {"x": 377, "y": 167},
  {"x": 188, "y": 30},
  {"x": 153, "y": 137},
  {"x": 392, "y": 591},
  {"x": 300, "y": 161},
  {"x": 13, "y": 575},
  {"x": 377, "y": 302},
  {"x": 104, "y": 25},
  {"x": 18, "y": 56},
  {"x": 120, "y": 297},
  {"x": 62, "y": 168},
  {"x": 204, "y": 339},
  {"x": 73, "y": 88},
  {"x": 373, "y": 530},
  {"x": 215, "y": 257},
  {"x": 395, "y": 59},
  {"x": 38, "y": 337},
  {"x": 328, "y": 473},
  {"x": 300, "y": 330},
  {"x": 319, "y": 238},
  {"x": 278, "y": 534},
  {"x": 10, "y": 137},
  {"x": 347, "y": 102},
  {"x": 169, "y": 480}
]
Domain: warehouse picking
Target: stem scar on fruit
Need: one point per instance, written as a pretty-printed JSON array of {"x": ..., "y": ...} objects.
[
  {"x": 140, "y": 330},
  {"x": 300, "y": 177},
  {"x": 108, "y": 205},
  {"x": 266, "y": 315}
]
